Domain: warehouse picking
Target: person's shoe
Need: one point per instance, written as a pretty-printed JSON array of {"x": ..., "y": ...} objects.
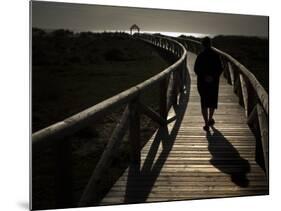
[
  {"x": 206, "y": 128},
  {"x": 211, "y": 122}
]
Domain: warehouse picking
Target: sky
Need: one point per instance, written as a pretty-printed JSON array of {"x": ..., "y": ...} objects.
[{"x": 82, "y": 17}]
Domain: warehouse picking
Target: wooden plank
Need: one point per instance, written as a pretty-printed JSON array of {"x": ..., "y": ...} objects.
[
  {"x": 183, "y": 189},
  {"x": 203, "y": 145},
  {"x": 200, "y": 160},
  {"x": 175, "y": 175},
  {"x": 192, "y": 195},
  {"x": 112, "y": 201},
  {"x": 193, "y": 177}
]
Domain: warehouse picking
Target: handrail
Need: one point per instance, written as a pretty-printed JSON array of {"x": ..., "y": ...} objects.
[
  {"x": 171, "y": 81},
  {"x": 252, "y": 96}
]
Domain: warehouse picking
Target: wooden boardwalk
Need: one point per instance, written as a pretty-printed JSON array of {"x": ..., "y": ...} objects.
[{"x": 183, "y": 162}]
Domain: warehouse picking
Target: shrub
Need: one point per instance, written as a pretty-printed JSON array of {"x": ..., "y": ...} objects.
[{"x": 115, "y": 55}]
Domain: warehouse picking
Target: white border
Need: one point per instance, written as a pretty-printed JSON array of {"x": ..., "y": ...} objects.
[{"x": 14, "y": 108}]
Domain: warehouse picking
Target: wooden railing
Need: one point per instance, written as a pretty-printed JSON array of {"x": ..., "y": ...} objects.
[
  {"x": 252, "y": 96},
  {"x": 171, "y": 82}
]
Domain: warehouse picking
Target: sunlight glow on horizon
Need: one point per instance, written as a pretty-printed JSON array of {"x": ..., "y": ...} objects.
[
  {"x": 173, "y": 34},
  {"x": 176, "y": 34}
]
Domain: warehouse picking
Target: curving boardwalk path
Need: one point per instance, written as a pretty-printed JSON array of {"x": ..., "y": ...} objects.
[{"x": 183, "y": 162}]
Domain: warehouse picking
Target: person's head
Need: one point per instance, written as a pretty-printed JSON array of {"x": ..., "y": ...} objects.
[{"x": 206, "y": 42}]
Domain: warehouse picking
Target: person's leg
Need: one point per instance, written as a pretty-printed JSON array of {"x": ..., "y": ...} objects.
[
  {"x": 205, "y": 117},
  {"x": 211, "y": 113}
]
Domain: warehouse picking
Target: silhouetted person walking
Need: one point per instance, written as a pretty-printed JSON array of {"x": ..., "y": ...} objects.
[{"x": 208, "y": 69}]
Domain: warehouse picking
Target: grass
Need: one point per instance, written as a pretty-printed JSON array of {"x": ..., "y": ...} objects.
[
  {"x": 252, "y": 52},
  {"x": 59, "y": 91}
]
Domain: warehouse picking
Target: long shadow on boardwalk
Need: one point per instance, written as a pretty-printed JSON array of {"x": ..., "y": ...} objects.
[
  {"x": 227, "y": 159},
  {"x": 145, "y": 177}
]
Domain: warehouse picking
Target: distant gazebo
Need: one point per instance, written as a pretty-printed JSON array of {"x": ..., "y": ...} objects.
[{"x": 134, "y": 27}]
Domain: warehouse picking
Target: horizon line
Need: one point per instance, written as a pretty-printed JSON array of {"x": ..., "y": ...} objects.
[{"x": 173, "y": 34}]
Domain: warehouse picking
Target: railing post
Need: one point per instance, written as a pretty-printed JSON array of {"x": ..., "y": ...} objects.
[
  {"x": 175, "y": 88},
  {"x": 252, "y": 98},
  {"x": 63, "y": 173},
  {"x": 134, "y": 132},
  {"x": 183, "y": 76},
  {"x": 244, "y": 94},
  {"x": 171, "y": 90},
  {"x": 239, "y": 90},
  {"x": 263, "y": 125},
  {"x": 163, "y": 99},
  {"x": 177, "y": 51},
  {"x": 173, "y": 48},
  {"x": 226, "y": 71},
  {"x": 231, "y": 73},
  {"x": 237, "y": 87}
]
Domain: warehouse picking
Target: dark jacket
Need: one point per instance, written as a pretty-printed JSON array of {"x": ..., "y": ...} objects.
[{"x": 208, "y": 69}]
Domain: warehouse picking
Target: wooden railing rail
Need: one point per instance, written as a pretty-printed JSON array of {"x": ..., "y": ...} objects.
[
  {"x": 252, "y": 96},
  {"x": 171, "y": 82}
]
